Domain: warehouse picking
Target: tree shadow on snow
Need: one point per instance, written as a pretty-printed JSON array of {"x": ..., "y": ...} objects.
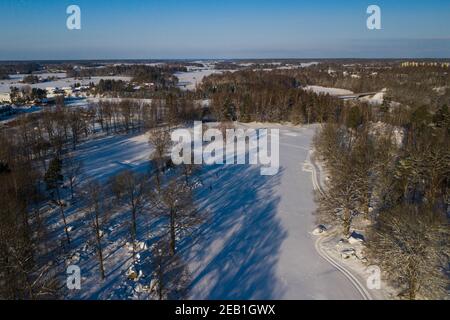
[{"x": 236, "y": 251}]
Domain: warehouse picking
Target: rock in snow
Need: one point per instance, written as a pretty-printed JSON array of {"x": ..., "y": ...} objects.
[
  {"x": 348, "y": 253},
  {"x": 319, "y": 230},
  {"x": 355, "y": 238}
]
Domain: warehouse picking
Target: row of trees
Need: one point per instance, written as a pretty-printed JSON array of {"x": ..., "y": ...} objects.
[
  {"x": 396, "y": 175},
  {"x": 160, "y": 195},
  {"x": 27, "y": 94},
  {"x": 388, "y": 165},
  {"x": 38, "y": 136},
  {"x": 25, "y": 273},
  {"x": 7, "y": 68},
  {"x": 160, "y": 75},
  {"x": 37, "y": 166},
  {"x": 267, "y": 97},
  {"x": 415, "y": 86}
]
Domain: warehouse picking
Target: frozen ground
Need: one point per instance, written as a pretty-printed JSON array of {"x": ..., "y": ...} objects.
[
  {"x": 103, "y": 158},
  {"x": 62, "y": 82},
  {"x": 189, "y": 80},
  {"x": 108, "y": 156},
  {"x": 256, "y": 244},
  {"x": 376, "y": 99},
  {"x": 330, "y": 91}
]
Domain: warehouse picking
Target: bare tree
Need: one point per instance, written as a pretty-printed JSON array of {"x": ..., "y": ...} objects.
[
  {"x": 339, "y": 203},
  {"x": 72, "y": 168},
  {"x": 411, "y": 244},
  {"x": 77, "y": 124},
  {"x": 22, "y": 276},
  {"x": 53, "y": 179},
  {"x": 188, "y": 171},
  {"x": 170, "y": 277},
  {"x": 98, "y": 213},
  {"x": 131, "y": 189},
  {"x": 175, "y": 201},
  {"x": 160, "y": 140}
]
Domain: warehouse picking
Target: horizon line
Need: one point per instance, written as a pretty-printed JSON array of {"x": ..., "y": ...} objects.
[{"x": 218, "y": 59}]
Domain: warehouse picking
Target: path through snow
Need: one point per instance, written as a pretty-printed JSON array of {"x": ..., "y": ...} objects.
[{"x": 258, "y": 243}]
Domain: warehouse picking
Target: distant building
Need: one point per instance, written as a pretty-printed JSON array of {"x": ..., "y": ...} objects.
[
  {"x": 425, "y": 64},
  {"x": 331, "y": 71},
  {"x": 68, "y": 91},
  {"x": 51, "y": 90},
  {"x": 5, "y": 97}
]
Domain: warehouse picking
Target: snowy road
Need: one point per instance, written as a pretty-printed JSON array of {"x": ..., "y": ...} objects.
[{"x": 257, "y": 244}]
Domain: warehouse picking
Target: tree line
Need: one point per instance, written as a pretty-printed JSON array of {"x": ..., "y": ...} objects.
[
  {"x": 38, "y": 166},
  {"x": 395, "y": 175},
  {"x": 266, "y": 97}
]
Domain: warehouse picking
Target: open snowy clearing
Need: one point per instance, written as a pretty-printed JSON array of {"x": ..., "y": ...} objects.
[
  {"x": 62, "y": 82},
  {"x": 189, "y": 80},
  {"x": 256, "y": 244},
  {"x": 259, "y": 243},
  {"x": 330, "y": 91},
  {"x": 376, "y": 99}
]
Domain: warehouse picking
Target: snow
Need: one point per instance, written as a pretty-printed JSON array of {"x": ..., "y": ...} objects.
[
  {"x": 189, "y": 80},
  {"x": 330, "y": 91},
  {"x": 380, "y": 128},
  {"x": 347, "y": 257},
  {"x": 297, "y": 66},
  {"x": 376, "y": 99},
  {"x": 256, "y": 243},
  {"x": 5, "y": 85},
  {"x": 133, "y": 275},
  {"x": 355, "y": 238},
  {"x": 348, "y": 253},
  {"x": 319, "y": 230},
  {"x": 107, "y": 156}
]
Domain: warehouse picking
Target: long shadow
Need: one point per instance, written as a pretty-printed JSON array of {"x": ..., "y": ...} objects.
[
  {"x": 236, "y": 251},
  {"x": 103, "y": 156}
]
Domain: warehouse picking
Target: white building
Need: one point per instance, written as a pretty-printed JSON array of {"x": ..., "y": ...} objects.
[
  {"x": 50, "y": 90},
  {"x": 5, "y": 97},
  {"x": 68, "y": 91}
]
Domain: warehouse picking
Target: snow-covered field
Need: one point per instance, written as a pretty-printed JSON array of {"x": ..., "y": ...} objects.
[
  {"x": 257, "y": 242},
  {"x": 189, "y": 80},
  {"x": 330, "y": 91},
  {"x": 376, "y": 99},
  {"x": 108, "y": 156},
  {"x": 62, "y": 82}
]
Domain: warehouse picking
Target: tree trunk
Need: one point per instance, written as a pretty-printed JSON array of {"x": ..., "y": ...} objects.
[
  {"x": 412, "y": 288},
  {"x": 99, "y": 247},
  {"x": 100, "y": 256},
  {"x": 346, "y": 222},
  {"x": 172, "y": 232},
  {"x": 63, "y": 215},
  {"x": 133, "y": 232}
]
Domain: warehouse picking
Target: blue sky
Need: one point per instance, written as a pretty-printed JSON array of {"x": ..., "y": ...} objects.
[{"x": 113, "y": 29}]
